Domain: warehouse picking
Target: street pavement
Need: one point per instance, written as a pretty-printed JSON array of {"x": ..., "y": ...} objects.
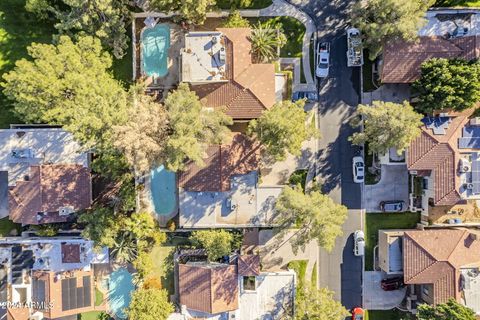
[{"x": 339, "y": 270}]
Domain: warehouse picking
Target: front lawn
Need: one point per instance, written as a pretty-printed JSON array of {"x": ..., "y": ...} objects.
[
  {"x": 92, "y": 315},
  {"x": 6, "y": 225},
  {"x": 243, "y": 4},
  {"x": 457, "y": 3},
  {"x": 388, "y": 315},
  {"x": 300, "y": 268},
  {"x": 18, "y": 29},
  {"x": 378, "y": 221}
]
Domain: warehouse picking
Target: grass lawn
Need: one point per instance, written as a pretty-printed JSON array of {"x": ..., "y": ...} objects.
[
  {"x": 18, "y": 29},
  {"x": 92, "y": 315},
  {"x": 243, "y": 4},
  {"x": 377, "y": 221},
  {"x": 98, "y": 297},
  {"x": 300, "y": 268},
  {"x": 367, "y": 73},
  {"x": 163, "y": 266},
  {"x": 388, "y": 315},
  {"x": 7, "y": 225},
  {"x": 122, "y": 69},
  {"x": 457, "y": 3}
]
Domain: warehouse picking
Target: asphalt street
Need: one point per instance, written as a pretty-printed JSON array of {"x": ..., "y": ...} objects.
[{"x": 339, "y": 270}]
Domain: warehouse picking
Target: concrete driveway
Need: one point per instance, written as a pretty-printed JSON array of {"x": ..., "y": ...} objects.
[
  {"x": 374, "y": 298},
  {"x": 392, "y": 186}
]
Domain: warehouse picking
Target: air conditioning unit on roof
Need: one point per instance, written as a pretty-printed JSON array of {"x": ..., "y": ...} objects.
[
  {"x": 65, "y": 211},
  {"x": 469, "y": 186}
]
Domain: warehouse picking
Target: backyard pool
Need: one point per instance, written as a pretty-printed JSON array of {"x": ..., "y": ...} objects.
[
  {"x": 155, "y": 45},
  {"x": 120, "y": 286},
  {"x": 163, "y": 188}
]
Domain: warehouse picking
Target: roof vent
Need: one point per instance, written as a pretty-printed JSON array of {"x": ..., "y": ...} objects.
[{"x": 65, "y": 211}]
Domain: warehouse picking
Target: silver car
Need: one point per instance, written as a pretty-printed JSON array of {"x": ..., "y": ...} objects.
[{"x": 323, "y": 60}]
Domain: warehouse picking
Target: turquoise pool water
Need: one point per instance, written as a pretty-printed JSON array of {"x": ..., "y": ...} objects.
[
  {"x": 120, "y": 286},
  {"x": 155, "y": 45},
  {"x": 163, "y": 188}
]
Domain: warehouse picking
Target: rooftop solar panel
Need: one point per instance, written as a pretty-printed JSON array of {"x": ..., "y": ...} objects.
[
  {"x": 74, "y": 297},
  {"x": 476, "y": 173}
]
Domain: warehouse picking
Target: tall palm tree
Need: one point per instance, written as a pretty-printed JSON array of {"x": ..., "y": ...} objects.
[
  {"x": 265, "y": 41},
  {"x": 125, "y": 248}
]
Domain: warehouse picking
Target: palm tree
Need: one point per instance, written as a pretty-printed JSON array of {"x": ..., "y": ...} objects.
[
  {"x": 265, "y": 41},
  {"x": 125, "y": 248}
]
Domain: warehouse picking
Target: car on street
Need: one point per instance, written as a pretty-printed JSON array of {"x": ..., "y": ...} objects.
[
  {"x": 391, "y": 284},
  {"x": 323, "y": 59},
  {"x": 359, "y": 243},
  {"x": 358, "y": 169},
  {"x": 310, "y": 96},
  {"x": 357, "y": 313},
  {"x": 392, "y": 206}
]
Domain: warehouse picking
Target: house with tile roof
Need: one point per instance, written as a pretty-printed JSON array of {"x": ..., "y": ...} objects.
[
  {"x": 443, "y": 163},
  {"x": 440, "y": 264},
  {"x": 218, "y": 66},
  {"x": 44, "y": 175},
  {"x": 47, "y": 278},
  {"x": 226, "y": 192},
  {"x": 234, "y": 290}
]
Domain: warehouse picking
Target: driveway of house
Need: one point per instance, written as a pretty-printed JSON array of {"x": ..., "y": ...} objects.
[
  {"x": 374, "y": 298},
  {"x": 392, "y": 186}
]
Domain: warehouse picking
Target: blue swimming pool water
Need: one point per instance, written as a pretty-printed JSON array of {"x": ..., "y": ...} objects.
[
  {"x": 163, "y": 188},
  {"x": 155, "y": 45},
  {"x": 120, "y": 286}
]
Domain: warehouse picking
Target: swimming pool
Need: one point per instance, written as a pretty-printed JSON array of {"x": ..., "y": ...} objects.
[
  {"x": 120, "y": 286},
  {"x": 155, "y": 45},
  {"x": 163, "y": 188}
]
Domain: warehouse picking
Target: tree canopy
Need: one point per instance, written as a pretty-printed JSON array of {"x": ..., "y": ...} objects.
[
  {"x": 315, "y": 215},
  {"x": 387, "y": 125},
  {"x": 68, "y": 84},
  {"x": 105, "y": 19},
  {"x": 283, "y": 128},
  {"x": 142, "y": 137},
  {"x": 313, "y": 303},
  {"x": 235, "y": 20},
  {"x": 451, "y": 310},
  {"x": 149, "y": 304},
  {"x": 192, "y": 128},
  {"x": 218, "y": 243},
  {"x": 387, "y": 20},
  {"x": 266, "y": 38},
  {"x": 446, "y": 84},
  {"x": 194, "y": 11}
]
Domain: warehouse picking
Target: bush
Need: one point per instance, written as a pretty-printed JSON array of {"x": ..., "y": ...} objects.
[
  {"x": 47, "y": 230},
  {"x": 171, "y": 226},
  {"x": 235, "y": 20}
]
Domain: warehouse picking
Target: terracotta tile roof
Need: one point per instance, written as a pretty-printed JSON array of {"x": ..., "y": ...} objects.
[
  {"x": 251, "y": 87},
  {"x": 436, "y": 256},
  {"x": 249, "y": 265},
  {"x": 208, "y": 288},
  {"x": 402, "y": 60},
  {"x": 70, "y": 253},
  {"x": 241, "y": 156},
  {"x": 426, "y": 154},
  {"x": 49, "y": 188}
]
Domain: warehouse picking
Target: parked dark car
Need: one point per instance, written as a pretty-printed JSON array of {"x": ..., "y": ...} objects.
[
  {"x": 392, "y": 206},
  {"x": 391, "y": 284},
  {"x": 311, "y": 96}
]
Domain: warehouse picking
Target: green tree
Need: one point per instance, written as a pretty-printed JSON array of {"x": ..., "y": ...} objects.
[
  {"x": 104, "y": 19},
  {"x": 124, "y": 248},
  {"x": 448, "y": 84},
  {"x": 144, "y": 229},
  {"x": 68, "y": 84},
  {"x": 194, "y": 11},
  {"x": 451, "y": 310},
  {"x": 235, "y": 20},
  {"x": 313, "y": 303},
  {"x": 149, "y": 304},
  {"x": 387, "y": 125},
  {"x": 314, "y": 215},
  {"x": 192, "y": 128},
  {"x": 142, "y": 138},
  {"x": 283, "y": 128},
  {"x": 102, "y": 226},
  {"x": 143, "y": 264},
  {"x": 388, "y": 20},
  {"x": 218, "y": 243},
  {"x": 266, "y": 39},
  {"x": 47, "y": 230}
]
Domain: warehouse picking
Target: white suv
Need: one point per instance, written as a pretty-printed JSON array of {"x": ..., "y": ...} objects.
[
  {"x": 323, "y": 59},
  {"x": 358, "y": 243}
]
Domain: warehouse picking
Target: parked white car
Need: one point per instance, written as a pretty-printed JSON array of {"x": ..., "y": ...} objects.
[
  {"x": 323, "y": 59},
  {"x": 358, "y": 169},
  {"x": 358, "y": 243}
]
